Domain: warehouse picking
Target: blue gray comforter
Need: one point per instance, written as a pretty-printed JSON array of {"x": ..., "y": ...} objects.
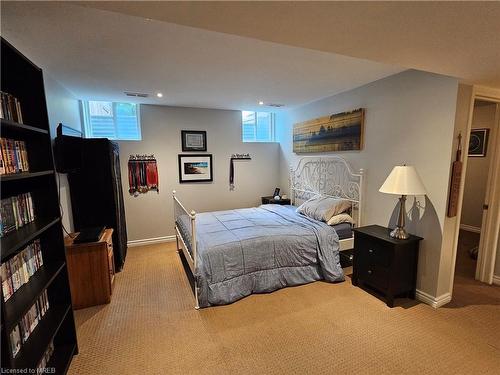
[{"x": 262, "y": 249}]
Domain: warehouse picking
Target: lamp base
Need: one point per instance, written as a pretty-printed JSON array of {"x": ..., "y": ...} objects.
[{"x": 399, "y": 233}]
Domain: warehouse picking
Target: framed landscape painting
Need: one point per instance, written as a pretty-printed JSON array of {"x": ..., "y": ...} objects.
[
  {"x": 339, "y": 132},
  {"x": 195, "y": 168}
]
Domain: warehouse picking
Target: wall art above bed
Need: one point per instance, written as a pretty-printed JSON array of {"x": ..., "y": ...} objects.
[
  {"x": 339, "y": 132},
  {"x": 195, "y": 168}
]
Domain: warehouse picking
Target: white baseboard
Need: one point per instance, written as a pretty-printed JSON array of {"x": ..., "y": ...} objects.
[
  {"x": 496, "y": 280},
  {"x": 150, "y": 241},
  {"x": 433, "y": 301},
  {"x": 470, "y": 228}
]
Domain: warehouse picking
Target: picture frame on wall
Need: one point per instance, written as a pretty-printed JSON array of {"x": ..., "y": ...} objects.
[
  {"x": 194, "y": 140},
  {"x": 195, "y": 168},
  {"x": 478, "y": 142},
  {"x": 342, "y": 131}
]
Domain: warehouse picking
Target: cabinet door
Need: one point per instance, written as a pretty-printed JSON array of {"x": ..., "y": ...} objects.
[{"x": 111, "y": 267}]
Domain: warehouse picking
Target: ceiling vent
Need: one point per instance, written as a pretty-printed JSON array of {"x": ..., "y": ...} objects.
[
  {"x": 275, "y": 105},
  {"x": 136, "y": 94}
]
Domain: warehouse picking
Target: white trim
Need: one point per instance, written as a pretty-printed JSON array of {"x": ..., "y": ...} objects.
[
  {"x": 433, "y": 301},
  {"x": 496, "y": 280},
  {"x": 150, "y": 241},
  {"x": 470, "y": 228},
  {"x": 346, "y": 244}
]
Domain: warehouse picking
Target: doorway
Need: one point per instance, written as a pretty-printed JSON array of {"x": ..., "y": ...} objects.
[{"x": 480, "y": 172}]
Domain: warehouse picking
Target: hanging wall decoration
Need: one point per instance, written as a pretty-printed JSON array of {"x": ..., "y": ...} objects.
[
  {"x": 339, "y": 132},
  {"x": 142, "y": 174},
  {"x": 231, "y": 167}
]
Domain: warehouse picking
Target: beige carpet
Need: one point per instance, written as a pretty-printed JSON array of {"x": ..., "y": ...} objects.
[{"x": 150, "y": 327}]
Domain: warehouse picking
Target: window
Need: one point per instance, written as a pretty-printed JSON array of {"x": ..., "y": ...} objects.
[
  {"x": 118, "y": 121},
  {"x": 257, "y": 126}
]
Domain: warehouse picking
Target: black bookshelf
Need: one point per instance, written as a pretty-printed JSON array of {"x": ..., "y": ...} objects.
[{"x": 24, "y": 80}]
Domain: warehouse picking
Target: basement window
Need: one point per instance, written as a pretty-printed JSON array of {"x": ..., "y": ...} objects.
[
  {"x": 257, "y": 126},
  {"x": 112, "y": 120}
]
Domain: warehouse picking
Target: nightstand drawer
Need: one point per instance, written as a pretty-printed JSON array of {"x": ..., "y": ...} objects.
[
  {"x": 374, "y": 276},
  {"x": 373, "y": 252}
]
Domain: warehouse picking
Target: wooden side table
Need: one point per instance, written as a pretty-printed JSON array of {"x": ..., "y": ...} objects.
[
  {"x": 91, "y": 270},
  {"x": 385, "y": 264}
]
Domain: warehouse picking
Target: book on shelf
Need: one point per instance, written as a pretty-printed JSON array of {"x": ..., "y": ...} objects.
[
  {"x": 10, "y": 108},
  {"x": 18, "y": 270},
  {"x": 15, "y": 212},
  {"x": 14, "y": 156},
  {"x": 22, "y": 331}
]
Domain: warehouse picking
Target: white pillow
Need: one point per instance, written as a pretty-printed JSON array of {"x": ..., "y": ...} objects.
[
  {"x": 322, "y": 208},
  {"x": 341, "y": 218}
]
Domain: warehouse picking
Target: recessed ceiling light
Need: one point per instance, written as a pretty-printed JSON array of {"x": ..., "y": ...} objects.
[
  {"x": 159, "y": 94},
  {"x": 261, "y": 102}
]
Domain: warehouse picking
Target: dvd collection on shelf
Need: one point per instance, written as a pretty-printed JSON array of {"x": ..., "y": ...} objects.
[
  {"x": 45, "y": 358},
  {"x": 14, "y": 156},
  {"x": 16, "y": 212},
  {"x": 18, "y": 270},
  {"x": 10, "y": 108},
  {"x": 22, "y": 331}
]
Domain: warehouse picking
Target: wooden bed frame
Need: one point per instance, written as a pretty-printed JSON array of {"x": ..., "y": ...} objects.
[{"x": 328, "y": 175}]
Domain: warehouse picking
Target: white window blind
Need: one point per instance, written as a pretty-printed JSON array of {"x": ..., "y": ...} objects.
[
  {"x": 257, "y": 126},
  {"x": 117, "y": 121}
]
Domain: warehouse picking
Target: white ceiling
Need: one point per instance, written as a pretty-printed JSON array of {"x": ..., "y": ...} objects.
[
  {"x": 99, "y": 54},
  {"x": 455, "y": 38}
]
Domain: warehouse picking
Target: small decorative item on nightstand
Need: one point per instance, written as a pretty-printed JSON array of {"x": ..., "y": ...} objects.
[
  {"x": 271, "y": 200},
  {"x": 386, "y": 264}
]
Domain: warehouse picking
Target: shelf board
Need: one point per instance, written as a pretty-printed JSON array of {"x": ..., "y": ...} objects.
[
  {"x": 23, "y": 175},
  {"x": 17, "y": 239},
  {"x": 61, "y": 358},
  {"x": 22, "y": 300},
  {"x": 32, "y": 350},
  {"x": 12, "y": 125}
]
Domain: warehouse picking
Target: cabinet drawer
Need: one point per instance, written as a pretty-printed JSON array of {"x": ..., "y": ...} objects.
[
  {"x": 374, "y": 253},
  {"x": 374, "y": 276}
]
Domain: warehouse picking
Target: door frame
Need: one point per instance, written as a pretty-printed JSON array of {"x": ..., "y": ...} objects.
[{"x": 490, "y": 225}]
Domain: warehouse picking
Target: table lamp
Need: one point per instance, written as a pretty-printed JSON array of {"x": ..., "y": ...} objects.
[{"x": 403, "y": 180}]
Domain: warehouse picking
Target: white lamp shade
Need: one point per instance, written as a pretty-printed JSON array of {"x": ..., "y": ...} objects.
[{"x": 403, "y": 180}]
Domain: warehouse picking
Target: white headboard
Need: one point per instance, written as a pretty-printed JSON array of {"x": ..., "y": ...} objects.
[{"x": 327, "y": 175}]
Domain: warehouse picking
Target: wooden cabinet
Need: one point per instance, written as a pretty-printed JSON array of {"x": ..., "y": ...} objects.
[
  {"x": 384, "y": 263},
  {"x": 91, "y": 270}
]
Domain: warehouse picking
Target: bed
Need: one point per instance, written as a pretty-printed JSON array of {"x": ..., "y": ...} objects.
[{"x": 232, "y": 254}]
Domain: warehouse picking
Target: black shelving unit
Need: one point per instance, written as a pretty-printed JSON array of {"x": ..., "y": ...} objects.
[{"x": 24, "y": 80}]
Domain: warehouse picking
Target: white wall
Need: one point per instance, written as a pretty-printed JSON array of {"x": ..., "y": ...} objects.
[
  {"x": 477, "y": 169},
  {"x": 150, "y": 215},
  {"x": 409, "y": 119},
  {"x": 62, "y": 107}
]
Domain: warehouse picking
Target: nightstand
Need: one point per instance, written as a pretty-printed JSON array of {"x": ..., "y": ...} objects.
[
  {"x": 270, "y": 200},
  {"x": 385, "y": 264}
]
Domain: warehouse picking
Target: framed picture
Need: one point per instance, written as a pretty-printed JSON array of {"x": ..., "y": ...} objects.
[
  {"x": 195, "y": 168},
  {"x": 276, "y": 192},
  {"x": 194, "y": 140},
  {"x": 339, "y": 132},
  {"x": 478, "y": 142}
]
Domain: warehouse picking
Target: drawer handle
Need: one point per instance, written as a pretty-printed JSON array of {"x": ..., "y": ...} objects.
[
  {"x": 370, "y": 272},
  {"x": 370, "y": 251}
]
